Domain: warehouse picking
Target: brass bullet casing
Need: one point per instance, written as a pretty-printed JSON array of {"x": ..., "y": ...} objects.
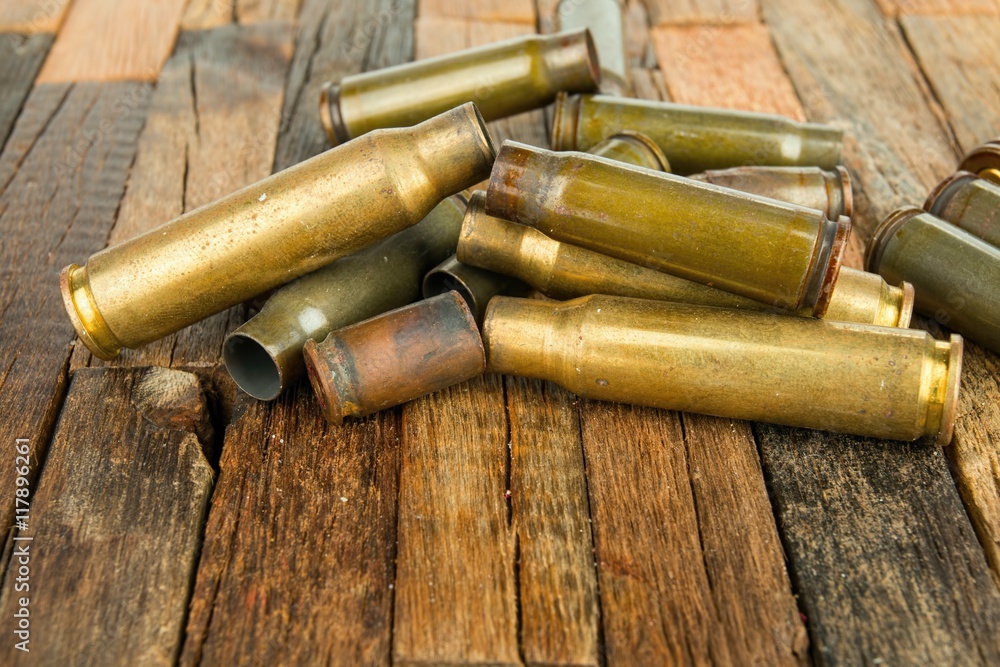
[
  {"x": 477, "y": 286},
  {"x": 883, "y": 382},
  {"x": 395, "y": 357},
  {"x": 812, "y": 187},
  {"x": 970, "y": 202},
  {"x": 264, "y": 356},
  {"x": 632, "y": 148},
  {"x": 564, "y": 271},
  {"x": 956, "y": 275},
  {"x": 984, "y": 161},
  {"x": 604, "y": 19},
  {"x": 503, "y": 79},
  {"x": 783, "y": 255},
  {"x": 273, "y": 231},
  {"x": 695, "y": 138}
]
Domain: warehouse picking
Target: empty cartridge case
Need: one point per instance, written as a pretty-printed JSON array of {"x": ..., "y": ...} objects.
[
  {"x": 956, "y": 276},
  {"x": 783, "y": 255},
  {"x": 632, "y": 148},
  {"x": 695, "y": 138},
  {"x": 477, "y": 286},
  {"x": 883, "y": 382},
  {"x": 970, "y": 202},
  {"x": 503, "y": 79},
  {"x": 264, "y": 355},
  {"x": 395, "y": 357},
  {"x": 564, "y": 271},
  {"x": 984, "y": 161},
  {"x": 604, "y": 20},
  {"x": 273, "y": 231},
  {"x": 812, "y": 187}
]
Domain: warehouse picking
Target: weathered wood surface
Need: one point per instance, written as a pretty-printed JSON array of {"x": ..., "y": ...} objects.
[
  {"x": 512, "y": 11},
  {"x": 20, "y": 59},
  {"x": 894, "y": 8},
  {"x": 31, "y": 17},
  {"x": 206, "y": 14},
  {"x": 62, "y": 173},
  {"x": 115, "y": 522},
  {"x": 703, "y": 11}
]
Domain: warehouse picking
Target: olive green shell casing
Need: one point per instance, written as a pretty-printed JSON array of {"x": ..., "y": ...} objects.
[
  {"x": 604, "y": 19},
  {"x": 783, "y": 255},
  {"x": 264, "y": 356},
  {"x": 883, "y": 382},
  {"x": 503, "y": 79},
  {"x": 693, "y": 138},
  {"x": 564, "y": 271},
  {"x": 632, "y": 148},
  {"x": 812, "y": 187},
  {"x": 273, "y": 231},
  {"x": 476, "y": 285},
  {"x": 984, "y": 161},
  {"x": 970, "y": 202},
  {"x": 956, "y": 275}
]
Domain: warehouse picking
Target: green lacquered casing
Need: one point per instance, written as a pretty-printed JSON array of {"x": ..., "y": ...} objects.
[
  {"x": 474, "y": 284},
  {"x": 812, "y": 187},
  {"x": 503, "y": 79},
  {"x": 970, "y": 202},
  {"x": 694, "y": 138},
  {"x": 956, "y": 275},
  {"x": 871, "y": 381},
  {"x": 780, "y": 254}
]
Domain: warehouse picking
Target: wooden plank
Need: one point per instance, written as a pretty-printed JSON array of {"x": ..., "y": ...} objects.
[
  {"x": 893, "y": 8},
  {"x": 455, "y": 581},
  {"x": 207, "y": 14},
  {"x": 32, "y": 17},
  {"x": 62, "y": 173},
  {"x": 511, "y": 11},
  {"x": 112, "y": 536},
  {"x": 703, "y": 11},
  {"x": 551, "y": 516},
  {"x": 105, "y": 40},
  {"x": 957, "y": 53},
  {"x": 20, "y": 59}
]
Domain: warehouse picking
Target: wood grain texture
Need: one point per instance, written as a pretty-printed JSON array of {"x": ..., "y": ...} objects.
[
  {"x": 62, "y": 173},
  {"x": 211, "y": 129},
  {"x": 958, "y": 55},
  {"x": 20, "y": 59},
  {"x": 511, "y": 11},
  {"x": 893, "y": 8},
  {"x": 104, "y": 40},
  {"x": 114, "y": 523},
  {"x": 703, "y": 11},
  {"x": 31, "y": 17},
  {"x": 206, "y": 14},
  {"x": 551, "y": 516},
  {"x": 456, "y": 588}
]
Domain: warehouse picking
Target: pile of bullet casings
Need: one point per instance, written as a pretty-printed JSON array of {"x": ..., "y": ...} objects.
[{"x": 691, "y": 257}]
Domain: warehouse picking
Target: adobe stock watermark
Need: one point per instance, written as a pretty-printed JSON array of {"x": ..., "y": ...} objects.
[{"x": 21, "y": 558}]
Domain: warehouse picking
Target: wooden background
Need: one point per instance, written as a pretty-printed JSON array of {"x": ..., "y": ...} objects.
[{"x": 502, "y": 521}]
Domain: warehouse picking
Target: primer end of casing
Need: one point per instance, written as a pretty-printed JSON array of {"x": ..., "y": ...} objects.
[{"x": 949, "y": 408}]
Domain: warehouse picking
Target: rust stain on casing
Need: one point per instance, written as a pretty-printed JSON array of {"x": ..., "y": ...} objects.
[
  {"x": 970, "y": 202},
  {"x": 503, "y": 79},
  {"x": 883, "y": 382},
  {"x": 780, "y": 254},
  {"x": 812, "y": 187},
  {"x": 695, "y": 138},
  {"x": 476, "y": 285},
  {"x": 395, "y": 357},
  {"x": 984, "y": 161},
  {"x": 564, "y": 271},
  {"x": 273, "y": 231}
]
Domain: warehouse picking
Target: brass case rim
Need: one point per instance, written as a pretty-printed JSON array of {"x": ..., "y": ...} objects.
[
  {"x": 943, "y": 192},
  {"x": 846, "y": 189},
  {"x": 329, "y": 113},
  {"x": 832, "y": 261},
  {"x": 906, "y": 305},
  {"x": 984, "y": 158},
  {"x": 949, "y": 407},
  {"x": 657, "y": 152},
  {"x": 885, "y": 231},
  {"x": 81, "y": 307},
  {"x": 321, "y": 379}
]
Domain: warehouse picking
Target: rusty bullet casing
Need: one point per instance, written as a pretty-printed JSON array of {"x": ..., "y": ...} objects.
[
  {"x": 605, "y": 21},
  {"x": 632, "y": 148},
  {"x": 812, "y": 187},
  {"x": 780, "y": 254},
  {"x": 503, "y": 79},
  {"x": 695, "y": 138},
  {"x": 564, "y": 271},
  {"x": 396, "y": 357},
  {"x": 882, "y": 382},
  {"x": 970, "y": 202},
  {"x": 273, "y": 231},
  {"x": 477, "y": 286},
  {"x": 264, "y": 355},
  {"x": 956, "y": 276},
  {"x": 984, "y": 161}
]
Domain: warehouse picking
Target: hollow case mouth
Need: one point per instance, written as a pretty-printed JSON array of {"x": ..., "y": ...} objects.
[
  {"x": 846, "y": 189},
  {"x": 983, "y": 160},
  {"x": 485, "y": 138},
  {"x": 884, "y": 232},
  {"x": 565, "y": 117},
  {"x": 330, "y": 116},
  {"x": 830, "y": 259},
  {"x": 320, "y": 377},
  {"x": 949, "y": 407},
  {"x": 84, "y": 314},
  {"x": 942, "y": 194},
  {"x": 252, "y": 366}
]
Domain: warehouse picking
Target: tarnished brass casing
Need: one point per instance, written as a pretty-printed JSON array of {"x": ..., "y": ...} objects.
[
  {"x": 812, "y": 187},
  {"x": 956, "y": 276},
  {"x": 882, "y": 382},
  {"x": 632, "y": 148},
  {"x": 395, "y": 357},
  {"x": 694, "y": 138},
  {"x": 984, "y": 161},
  {"x": 970, "y": 202},
  {"x": 264, "y": 355},
  {"x": 477, "y": 286},
  {"x": 563, "y": 271},
  {"x": 503, "y": 79},
  {"x": 604, "y": 19},
  {"x": 273, "y": 231},
  {"x": 780, "y": 254}
]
